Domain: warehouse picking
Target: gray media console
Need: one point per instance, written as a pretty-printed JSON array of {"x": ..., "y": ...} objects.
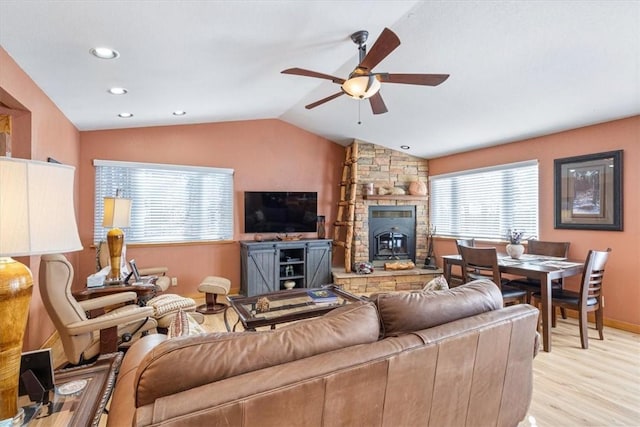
[{"x": 266, "y": 266}]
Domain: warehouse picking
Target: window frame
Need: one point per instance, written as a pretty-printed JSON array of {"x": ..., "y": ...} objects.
[
  {"x": 191, "y": 179},
  {"x": 507, "y": 217}
]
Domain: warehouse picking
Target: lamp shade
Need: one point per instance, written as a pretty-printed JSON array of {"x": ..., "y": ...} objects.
[
  {"x": 37, "y": 213},
  {"x": 117, "y": 212},
  {"x": 36, "y": 217},
  {"x": 361, "y": 87}
]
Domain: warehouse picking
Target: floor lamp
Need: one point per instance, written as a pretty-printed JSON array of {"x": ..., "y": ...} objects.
[
  {"x": 37, "y": 216},
  {"x": 117, "y": 212}
]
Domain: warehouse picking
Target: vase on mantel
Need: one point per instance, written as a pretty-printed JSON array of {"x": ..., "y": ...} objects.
[{"x": 515, "y": 250}]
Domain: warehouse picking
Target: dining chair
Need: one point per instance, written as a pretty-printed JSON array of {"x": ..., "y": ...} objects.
[
  {"x": 457, "y": 279},
  {"x": 465, "y": 242},
  {"x": 587, "y": 299},
  {"x": 538, "y": 247},
  {"x": 482, "y": 263}
]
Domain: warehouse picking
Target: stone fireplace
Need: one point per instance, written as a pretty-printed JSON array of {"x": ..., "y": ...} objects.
[{"x": 387, "y": 169}]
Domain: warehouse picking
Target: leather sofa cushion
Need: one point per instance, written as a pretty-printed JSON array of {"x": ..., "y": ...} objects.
[
  {"x": 186, "y": 362},
  {"x": 404, "y": 312}
]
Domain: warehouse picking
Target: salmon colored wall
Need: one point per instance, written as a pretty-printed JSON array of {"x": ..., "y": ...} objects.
[
  {"x": 42, "y": 132},
  {"x": 622, "y": 293},
  {"x": 265, "y": 154}
]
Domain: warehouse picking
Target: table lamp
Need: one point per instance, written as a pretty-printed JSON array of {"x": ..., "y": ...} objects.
[
  {"x": 117, "y": 211},
  {"x": 37, "y": 216}
]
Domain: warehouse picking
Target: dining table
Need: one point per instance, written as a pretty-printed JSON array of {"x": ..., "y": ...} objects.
[{"x": 544, "y": 268}]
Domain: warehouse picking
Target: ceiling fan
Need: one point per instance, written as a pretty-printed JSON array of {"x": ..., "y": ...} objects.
[{"x": 363, "y": 83}]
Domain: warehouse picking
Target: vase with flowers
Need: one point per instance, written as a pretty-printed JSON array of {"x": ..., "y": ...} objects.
[{"x": 515, "y": 249}]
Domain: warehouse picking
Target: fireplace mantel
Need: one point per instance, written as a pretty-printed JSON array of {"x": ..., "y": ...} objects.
[{"x": 395, "y": 197}]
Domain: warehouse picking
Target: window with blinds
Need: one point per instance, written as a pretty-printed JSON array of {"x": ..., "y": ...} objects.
[
  {"x": 486, "y": 203},
  {"x": 170, "y": 203}
]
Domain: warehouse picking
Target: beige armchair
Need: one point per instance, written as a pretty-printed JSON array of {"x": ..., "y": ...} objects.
[{"x": 83, "y": 338}]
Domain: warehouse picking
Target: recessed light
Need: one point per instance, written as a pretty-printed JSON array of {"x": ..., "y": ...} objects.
[
  {"x": 104, "y": 53},
  {"x": 179, "y": 113},
  {"x": 405, "y": 147},
  {"x": 117, "y": 91},
  {"x": 125, "y": 115}
]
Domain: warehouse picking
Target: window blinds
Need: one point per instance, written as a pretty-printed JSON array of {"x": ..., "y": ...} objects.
[
  {"x": 486, "y": 203},
  {"x": 170, "y": 203}
]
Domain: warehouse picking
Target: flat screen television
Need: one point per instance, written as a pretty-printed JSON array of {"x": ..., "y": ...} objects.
[{"x": 280, "y": 211}]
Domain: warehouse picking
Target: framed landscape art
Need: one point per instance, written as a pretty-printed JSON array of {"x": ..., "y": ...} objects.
[{"x": 588, "y": 191}]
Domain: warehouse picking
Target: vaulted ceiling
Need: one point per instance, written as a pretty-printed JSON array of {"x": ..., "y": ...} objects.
[{"x": 518, "y": 69}]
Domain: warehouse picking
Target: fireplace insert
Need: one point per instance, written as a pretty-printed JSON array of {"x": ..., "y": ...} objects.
[{"x": 392, "y": 233}]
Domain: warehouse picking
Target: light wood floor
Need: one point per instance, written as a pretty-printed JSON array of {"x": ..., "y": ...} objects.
[{"x": 597, "y": 387}]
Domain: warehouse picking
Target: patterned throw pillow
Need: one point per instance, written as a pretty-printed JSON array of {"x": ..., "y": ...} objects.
[
  {"x": 183, "y": 324},
  {"x": 168, "y": 303},
  {"x": 436, "y": 284}
]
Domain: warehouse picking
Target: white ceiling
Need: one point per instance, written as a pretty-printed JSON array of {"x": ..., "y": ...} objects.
[{"x": 518, "y": 69}]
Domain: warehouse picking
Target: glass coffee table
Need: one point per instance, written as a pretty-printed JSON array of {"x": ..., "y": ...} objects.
[{"x": 286, "y": 306}]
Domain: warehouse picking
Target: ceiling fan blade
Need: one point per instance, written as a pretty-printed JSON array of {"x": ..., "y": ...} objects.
[
  {"x": 413, "y": 79},
  {"x": 309, "y": 73},
  {"x": 386, "y": 43},
  {"x": 323, "y": 100},
  {"x": 377, "y": 104}
]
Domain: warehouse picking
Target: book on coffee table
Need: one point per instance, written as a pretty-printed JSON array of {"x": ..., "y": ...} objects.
[{"x": 322, "y": 296}]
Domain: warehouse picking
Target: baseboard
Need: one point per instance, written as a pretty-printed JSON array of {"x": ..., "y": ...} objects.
[
  {"x": 624, "y": 326},
  {"x": 612, "y": 323}
]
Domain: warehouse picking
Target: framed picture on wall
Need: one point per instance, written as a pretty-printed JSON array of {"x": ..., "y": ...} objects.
[{"x": 588, "y": 191}]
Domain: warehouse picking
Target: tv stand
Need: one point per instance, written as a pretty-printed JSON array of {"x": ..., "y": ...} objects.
[{"x": 266, "y": 266}]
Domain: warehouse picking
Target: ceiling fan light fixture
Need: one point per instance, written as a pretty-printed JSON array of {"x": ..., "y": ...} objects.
[{"x": 361, "y": 87}]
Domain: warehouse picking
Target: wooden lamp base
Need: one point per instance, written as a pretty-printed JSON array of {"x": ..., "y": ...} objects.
[
  {"x": 16, "y": 284},
  {"x": 115, "y": 241}
]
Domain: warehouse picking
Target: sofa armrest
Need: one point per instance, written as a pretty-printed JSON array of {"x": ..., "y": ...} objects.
[
  {"x": 536, "y": 344},
  {"x": 123, "y": 406}
]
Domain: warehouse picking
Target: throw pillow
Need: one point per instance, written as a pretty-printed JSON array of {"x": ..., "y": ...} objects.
[
  {"x": 436, "y": 284},
  {"x": 183, "y": 324},
  {"x": 168, "y": 303}
]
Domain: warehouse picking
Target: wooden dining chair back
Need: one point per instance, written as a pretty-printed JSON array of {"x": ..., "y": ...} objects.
[
  {"x": 465, "y": 242},
  {"x": 538, "y": 247},
  {"x": 482, "y": 263},
  {"x": 458, "y": 279},
  {"x": 555, "y": 249},
  {"x": 588, "y": 298}
]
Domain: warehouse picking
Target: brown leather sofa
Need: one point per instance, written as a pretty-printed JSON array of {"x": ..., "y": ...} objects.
[{"x": 446, "y": 358}]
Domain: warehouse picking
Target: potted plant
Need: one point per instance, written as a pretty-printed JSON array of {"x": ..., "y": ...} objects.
[{"x": 515, "y": 249}]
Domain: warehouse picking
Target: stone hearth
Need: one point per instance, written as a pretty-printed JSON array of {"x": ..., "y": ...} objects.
[{"x": 383, "y": 281}]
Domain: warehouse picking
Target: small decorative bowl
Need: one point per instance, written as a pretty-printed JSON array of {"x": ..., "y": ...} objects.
[{"x": 289, "y": 284}]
